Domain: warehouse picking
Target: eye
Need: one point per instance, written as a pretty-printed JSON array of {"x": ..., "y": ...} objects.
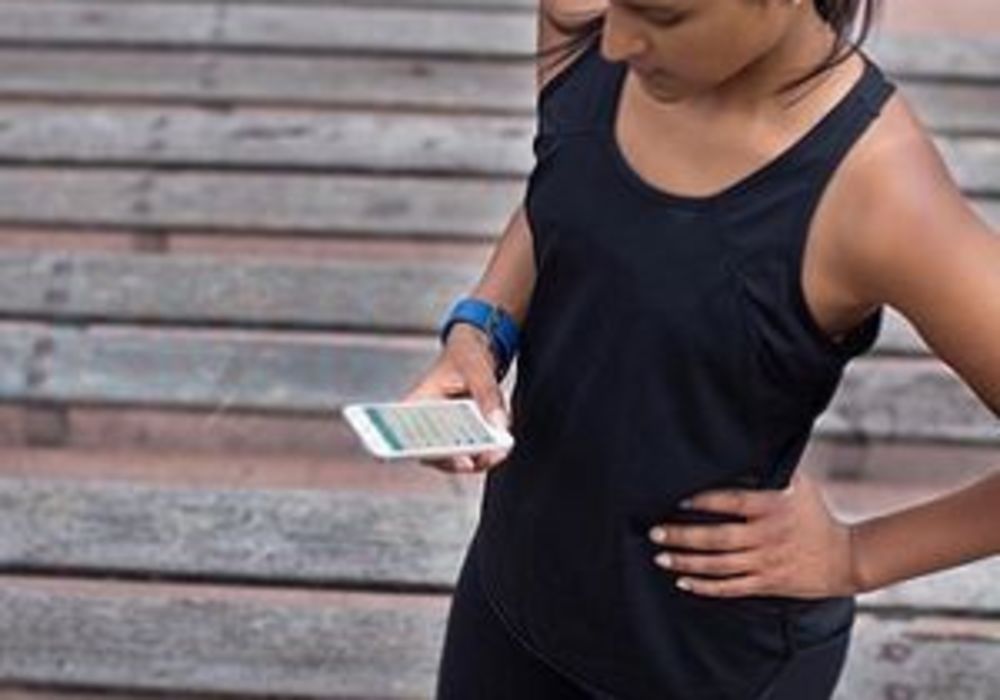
[{"x": 664, "y": 19}]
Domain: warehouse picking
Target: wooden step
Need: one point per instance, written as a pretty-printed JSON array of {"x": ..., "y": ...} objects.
[{"x": 263, "y": 642}]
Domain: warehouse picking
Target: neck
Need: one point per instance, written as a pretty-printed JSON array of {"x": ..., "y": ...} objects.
[{"x": 757, "y": 87}]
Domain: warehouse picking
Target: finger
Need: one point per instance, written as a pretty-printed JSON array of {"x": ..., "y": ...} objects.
[
  {"x": 747, "y": 502},
  {"x": 441, "y": 380},
  {"x": 435, "y": 386},
  {"x": 724, "y": 536},
  {"x": 488, "y": 460},
  {"x": 458, "y": 463},
  {"x": 714, "y": 564},
  {"x": 735, "y": 587},
  {"x": 488, "y": 397}
]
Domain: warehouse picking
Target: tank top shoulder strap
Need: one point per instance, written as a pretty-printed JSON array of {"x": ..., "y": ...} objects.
[
  {"x": 571, "y": 102},
  {"x": 829, "y": 141},
  {"x": 820, "y": 154}
]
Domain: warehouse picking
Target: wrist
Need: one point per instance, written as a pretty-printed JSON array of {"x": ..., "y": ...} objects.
[
  {"x": 499, "y": 327},
  {"x": 859, "y": 579},
  {"x": 463, "y": 331}
]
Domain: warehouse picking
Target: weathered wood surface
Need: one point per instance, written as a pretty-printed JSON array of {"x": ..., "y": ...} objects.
[
  {"x": 880, "y": 398},
  {"x": 326, "y": 205},
  {"x": 920, "y": 399},
  {"x": 206, "y": 370},
  {"x": 323, "y": 644},
  {"x": 354, "y": 295},
  {"x": 355, "y": 538},
  {"x": 253, "y": 642},
  {"x": 922, "y": 658},
  {"x": 133, "y": 199},
  {"x": 202, "y": 116},
  {"x": 354, "y": 139},
  {"x": 421, "y": 82},
  {"x": 428, "y": 31}
]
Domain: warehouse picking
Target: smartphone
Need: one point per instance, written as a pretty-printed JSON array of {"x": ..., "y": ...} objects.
[{"x": 424, "y": 428}]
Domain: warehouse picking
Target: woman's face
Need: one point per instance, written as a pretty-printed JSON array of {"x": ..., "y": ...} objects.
[{"x": 683, "y": 47}]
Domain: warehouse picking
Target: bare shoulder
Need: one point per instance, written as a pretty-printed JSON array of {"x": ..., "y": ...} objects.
[
  {"x": 918, "y": 246},
  {"x": 898, "y": 160},
  {"x": 895, "y": 197}
]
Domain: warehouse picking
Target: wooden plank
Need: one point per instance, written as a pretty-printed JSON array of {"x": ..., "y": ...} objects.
[
  {"x": 21, "y": 358},
  {"x": 879, "y": 398},
  {"x": 442, "y": 31},
  {"x": 922, "y": 658},
  {"x": 528, "y": 5},
  {"x": 175, "y": 638},
  {"x": 974, "y": 163},
  {"x": 861, "y": 479},
  {"x": 133, "y": 199},
  {"x": 342, "y": 537},
  {"x": 273, "y": 79},
  {"x": 378, "y": 537},
  {"x": 954, "y": 107},
  {"x": 327, "y": 141},
  {"x": 466, "y": 208},
  {"x": 376, "y": 295},
  {"x": 973, "y": 59},
  {"x": 421, "y": 83},
  {"x": 907, "y": 399},
  {"x": 383, "y": 295},
  {"x": 969, "y": 17},
  {"x": 209, "y": 369},
  {"x": 356, "y": 140},
  {"x": 429, "y": 30},
  {"x": 504, "y": 4},
  {"x": 47, "y": 692},
  {"x": 971, "y": 587},
  {"x": 259, "y": 642}
]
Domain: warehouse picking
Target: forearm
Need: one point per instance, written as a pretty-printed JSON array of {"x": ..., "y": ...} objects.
[
  {"x": 509, "y": 277},
  {"x": 954, "y": 529}
]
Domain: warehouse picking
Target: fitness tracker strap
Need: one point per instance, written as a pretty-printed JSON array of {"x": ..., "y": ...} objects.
[{"x": 499, "y": 326}]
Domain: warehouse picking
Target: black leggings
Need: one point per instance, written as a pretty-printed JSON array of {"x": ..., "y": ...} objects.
[{"x": 482, "y": 660}]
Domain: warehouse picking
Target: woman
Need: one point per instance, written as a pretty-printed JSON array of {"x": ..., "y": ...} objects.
[{"x": 678, "y": 339}]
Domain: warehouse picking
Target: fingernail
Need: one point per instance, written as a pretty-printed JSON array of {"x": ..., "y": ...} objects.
[
  {"x": 686, "y": 503},
  {"x": 683, "y": 584},
  {"x": 499, "y": 418},
  {"x": 663, "y": 559},
  {"x": 465, "y": 463},
  {"x": 657, "y": 534}
]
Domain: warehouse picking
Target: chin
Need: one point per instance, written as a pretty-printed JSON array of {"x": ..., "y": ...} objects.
[{"x": 664, "y": 92}]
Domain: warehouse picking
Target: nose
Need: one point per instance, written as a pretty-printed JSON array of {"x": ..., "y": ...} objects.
[{"x": 618, "y": 41}]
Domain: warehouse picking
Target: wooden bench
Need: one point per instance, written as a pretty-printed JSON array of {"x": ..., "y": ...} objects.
[{"x": 223, "y": 220}]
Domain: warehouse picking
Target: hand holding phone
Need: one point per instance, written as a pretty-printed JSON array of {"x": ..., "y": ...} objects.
[
  {"x": 465, "y": 368},
  {"x": 430, "y": 428}
]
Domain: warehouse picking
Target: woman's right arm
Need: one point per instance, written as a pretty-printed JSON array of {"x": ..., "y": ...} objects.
[
  {"x": 509, "y": 277},
  {"x": 466, "y": 365}
]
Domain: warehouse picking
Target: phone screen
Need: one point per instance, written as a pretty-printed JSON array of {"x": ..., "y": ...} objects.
[{"x": 422, "y": 426}]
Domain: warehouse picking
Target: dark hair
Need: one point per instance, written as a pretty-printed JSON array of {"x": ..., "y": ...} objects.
[{"x": 851, "y": 21}]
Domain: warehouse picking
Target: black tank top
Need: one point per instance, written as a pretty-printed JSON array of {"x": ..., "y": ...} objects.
[{"x": 667, "y": 349}]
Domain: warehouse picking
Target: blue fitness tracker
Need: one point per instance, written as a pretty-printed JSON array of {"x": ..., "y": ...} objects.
[{"x": 499, "y": 326}]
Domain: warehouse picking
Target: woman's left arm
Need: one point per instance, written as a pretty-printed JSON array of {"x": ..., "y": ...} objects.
[
  {"x": 915, "y": 244},
  {"x": 922, "y": 249}
]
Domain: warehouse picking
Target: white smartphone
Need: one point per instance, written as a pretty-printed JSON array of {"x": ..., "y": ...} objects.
[{"x": 424, "y": 428}]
